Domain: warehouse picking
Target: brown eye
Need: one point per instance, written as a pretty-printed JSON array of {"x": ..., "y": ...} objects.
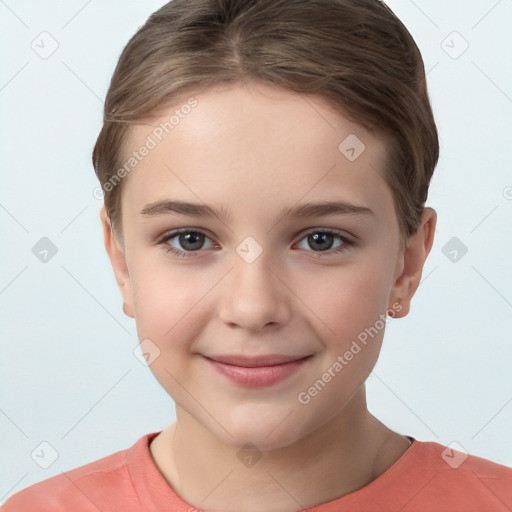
[
  {"x": 191, "y": 241},
  {"x": 184, "y": 241},
  {"x": 323, "y": 240}
]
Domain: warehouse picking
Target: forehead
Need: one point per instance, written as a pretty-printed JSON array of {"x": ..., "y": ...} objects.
[{"x": 254, "y": 142}]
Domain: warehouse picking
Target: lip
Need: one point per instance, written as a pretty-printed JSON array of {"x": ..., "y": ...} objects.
[{"x": 257, "y": 371}]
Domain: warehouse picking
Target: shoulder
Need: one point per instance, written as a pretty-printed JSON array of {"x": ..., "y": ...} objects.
[
  {"x": 85, "y": 488},
  {"x": 430, "y": 477},
  {"x": 454, "y": 461},
  {"x": 469, "y": 480}
]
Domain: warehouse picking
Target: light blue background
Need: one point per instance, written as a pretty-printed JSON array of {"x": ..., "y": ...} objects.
[{"x": 68, "y": 374}]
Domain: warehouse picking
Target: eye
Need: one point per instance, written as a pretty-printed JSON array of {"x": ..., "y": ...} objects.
[
  {"x": 190, "y": 241},
  {"x": 322, "y": 239},
  {"x": 185, "y": 242}
]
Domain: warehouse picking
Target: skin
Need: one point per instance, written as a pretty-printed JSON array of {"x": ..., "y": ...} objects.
[{"x": 254, "y": 149}]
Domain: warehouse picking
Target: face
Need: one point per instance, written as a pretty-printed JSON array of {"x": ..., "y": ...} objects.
[{"x": 256, "y": 278}]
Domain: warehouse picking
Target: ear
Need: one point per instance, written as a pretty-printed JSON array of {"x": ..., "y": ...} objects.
[
  {"x": 118, "y": 260},
  {"x": 417, "y": 249}
]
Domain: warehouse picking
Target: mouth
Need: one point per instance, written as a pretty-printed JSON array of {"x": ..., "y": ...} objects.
[{"x": 257, "y": 371}]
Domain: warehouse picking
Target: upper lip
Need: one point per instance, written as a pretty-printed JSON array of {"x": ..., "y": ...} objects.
[{"x": 254, "y": 361}]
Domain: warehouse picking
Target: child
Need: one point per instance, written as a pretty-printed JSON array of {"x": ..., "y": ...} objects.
[{"x": 265, "y": 165}]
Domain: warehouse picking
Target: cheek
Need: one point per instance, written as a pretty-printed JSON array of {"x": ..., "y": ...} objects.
[
  {"x": 346, "y": 300},
  {"x": 170, "y": 302},
  {"x": 169, "y": 312}
]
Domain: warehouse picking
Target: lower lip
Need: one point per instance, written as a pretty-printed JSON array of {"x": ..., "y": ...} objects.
[{"x": 258, "y": 377}]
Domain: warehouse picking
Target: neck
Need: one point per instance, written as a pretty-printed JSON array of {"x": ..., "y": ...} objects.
[{"x": 346, "y": 453}]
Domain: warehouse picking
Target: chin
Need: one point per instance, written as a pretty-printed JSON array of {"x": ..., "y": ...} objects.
[{"x": 269, "y": 432}]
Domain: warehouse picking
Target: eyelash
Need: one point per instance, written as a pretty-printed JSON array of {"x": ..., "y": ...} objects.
[{"x": 347, "y": 243}]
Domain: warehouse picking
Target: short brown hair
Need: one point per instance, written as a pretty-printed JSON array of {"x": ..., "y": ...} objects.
[{"x": 356, "y": 54}]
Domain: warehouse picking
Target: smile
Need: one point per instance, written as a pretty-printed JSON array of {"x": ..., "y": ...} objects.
[{"x": 255, "y": 372}]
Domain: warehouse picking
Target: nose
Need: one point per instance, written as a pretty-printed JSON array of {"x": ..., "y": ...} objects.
[{"x": 255, "y": 295}]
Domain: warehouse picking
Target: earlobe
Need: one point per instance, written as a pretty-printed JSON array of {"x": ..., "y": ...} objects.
[
  {"x": 415, "y": 254},
  {"x": 118, "y": 261}
]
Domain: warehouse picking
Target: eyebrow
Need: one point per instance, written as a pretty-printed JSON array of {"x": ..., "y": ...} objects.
[{"x": 313, "y": 209}]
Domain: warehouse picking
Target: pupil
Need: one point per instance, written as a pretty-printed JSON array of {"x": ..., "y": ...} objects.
[
  {"x": 321, "y": 237},
  {"x": 191, "y": 238}
]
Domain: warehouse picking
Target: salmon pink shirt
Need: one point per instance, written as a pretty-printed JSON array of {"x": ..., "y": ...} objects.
[{"x": 427, "y": 477}]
